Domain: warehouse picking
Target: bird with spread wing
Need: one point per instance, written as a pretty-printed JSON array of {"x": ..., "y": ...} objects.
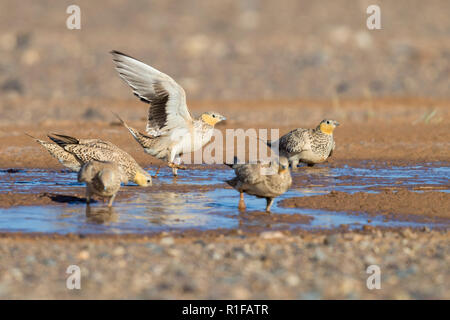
[{"x": 171, "y": 131}]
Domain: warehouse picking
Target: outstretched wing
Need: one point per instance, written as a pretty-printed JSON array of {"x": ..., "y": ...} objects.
[{"x": 168, "y": 109}]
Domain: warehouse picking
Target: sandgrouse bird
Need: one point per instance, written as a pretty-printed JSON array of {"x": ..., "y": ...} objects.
[{"x": 171, "y": 131}]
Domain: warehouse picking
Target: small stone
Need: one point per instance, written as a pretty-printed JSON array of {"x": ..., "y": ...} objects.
[
  {"x": 320, "y": 255},
  {"x": 12, "y": 85},
  {"x": 271, "y": 235},
  {"x": 363, "y": 39},
  {"x": 92, "y": 113},
  {"x": 16, "y": 274},
  {"x": 83, "y": 255},
  {"x": 30, "y": 57},
  {"x": 167, "y": 241},
  {"x": 370, "y": 260},
  {"x": 407, "y": 233},
  {"x": 119, "y": 251},
  {"x": 240, "y": 293},
  {"x": 340, "y": 34},
  {"x": 292, "y": 280},
  {"x": 330, "y": 239},
  {"x": 216, "y": 256},
  {"x": 174, "y": 252}
]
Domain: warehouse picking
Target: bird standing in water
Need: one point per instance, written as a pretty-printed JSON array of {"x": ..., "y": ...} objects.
[
  {"x": 262, "y": 180},
  {"x": 102, "y": 178},
  {"x": 310, "y": 146}
]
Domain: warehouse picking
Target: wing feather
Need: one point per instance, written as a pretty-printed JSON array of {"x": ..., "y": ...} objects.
[
  {"x": 168, "y": 109},
  {"x": 294, "y": 141}
]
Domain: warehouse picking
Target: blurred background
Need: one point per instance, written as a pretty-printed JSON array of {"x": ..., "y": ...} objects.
[{"x": 222, "y": 50}]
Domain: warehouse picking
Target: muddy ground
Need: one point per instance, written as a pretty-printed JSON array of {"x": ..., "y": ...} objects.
[
  {"x": 249, "y": 262},
  {"x": 434, "y": 204}
]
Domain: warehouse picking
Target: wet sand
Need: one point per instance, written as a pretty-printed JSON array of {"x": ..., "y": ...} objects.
[
  {"x": 431, "y": 204},
  {"x": 247, "y": 261}
]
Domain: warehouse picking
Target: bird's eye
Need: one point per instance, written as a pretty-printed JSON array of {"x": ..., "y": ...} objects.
[
  {"x": 214, "y": 115},
  {"x": 328, "y": 122}
]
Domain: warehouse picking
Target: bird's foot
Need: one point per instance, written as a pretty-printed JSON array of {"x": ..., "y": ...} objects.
[
  {"x": 156, "y": 173},
  {"x": 269, "y": 204},
  {"x": 242, "y": 206},
  {"x": 176, "y": 166}
]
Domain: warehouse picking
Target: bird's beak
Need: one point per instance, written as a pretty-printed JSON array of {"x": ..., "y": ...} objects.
[
  {"x": 336, "y": 124},
  {"x": 223, "y": 118}
]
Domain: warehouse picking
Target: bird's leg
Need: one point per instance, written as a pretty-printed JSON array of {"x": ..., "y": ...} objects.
[
  {"x": 175, "y": 165},
  {"x": 242, "y": 205},
  {"x": 111, "y": 200},
  {"x": 269, "y": 204},
  {"x": 157, "y": 172},
  {"x": 88, "y": 196},
  {"x": 175, "y": 171}
]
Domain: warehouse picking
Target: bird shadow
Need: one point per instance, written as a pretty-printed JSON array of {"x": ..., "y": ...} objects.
[{"x": 61, "y": 198}]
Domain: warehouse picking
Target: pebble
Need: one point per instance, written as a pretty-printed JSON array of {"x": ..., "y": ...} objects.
[
  {"x": 292, "y": 280},
  {"x": 271, "y": 235},
  {"x": 167, "y": 241},
  {"x": 119, "y": 251},
  {"x": 83, "y": 255}
]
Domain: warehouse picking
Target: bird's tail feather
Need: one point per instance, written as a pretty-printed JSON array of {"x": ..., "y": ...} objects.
[
  {"x": 63, "y": 140},
  {"x": 135, "y": 133},
  {"x": 235, "y": 161},
  {"x": 232, "y": 182}
]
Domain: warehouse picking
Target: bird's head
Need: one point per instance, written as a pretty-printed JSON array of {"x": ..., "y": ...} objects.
[
  {"x": 212, "y": 118},
  {"x": 328, "y": 126},
  {"x": 106, "y": 177},
  {"x": 283, "y": 165},
  {"x": 143, "y": 178}
]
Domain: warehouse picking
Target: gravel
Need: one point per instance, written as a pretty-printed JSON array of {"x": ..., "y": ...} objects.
[{"x": 414, "y": 265}]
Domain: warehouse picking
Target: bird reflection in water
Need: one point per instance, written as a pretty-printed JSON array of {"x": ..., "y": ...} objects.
[{"x": 101, "y": 215}]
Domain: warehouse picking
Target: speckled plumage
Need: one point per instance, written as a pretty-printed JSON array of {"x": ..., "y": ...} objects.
[
  {"x": 65, "y": 158},
  {"x": 86, "y": 150},
  {"x": 310, "y": 146},
  {"x": 262, "y": 180},
  {"x": 171, "y": 129},
  {"x": 102, "y": 178}
]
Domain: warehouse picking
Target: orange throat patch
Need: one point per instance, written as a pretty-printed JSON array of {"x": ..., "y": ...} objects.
[
  {"x": 326, "y": 128},
  {"x": 209, "y": 119}
]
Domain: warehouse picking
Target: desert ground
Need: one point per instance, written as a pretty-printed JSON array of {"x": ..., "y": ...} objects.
[
  {"x": 259, "y": 258},
  {"x": 381, "y": 199}
]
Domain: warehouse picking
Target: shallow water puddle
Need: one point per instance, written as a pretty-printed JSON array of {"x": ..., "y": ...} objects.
[{"x": 153, "y": 210}]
